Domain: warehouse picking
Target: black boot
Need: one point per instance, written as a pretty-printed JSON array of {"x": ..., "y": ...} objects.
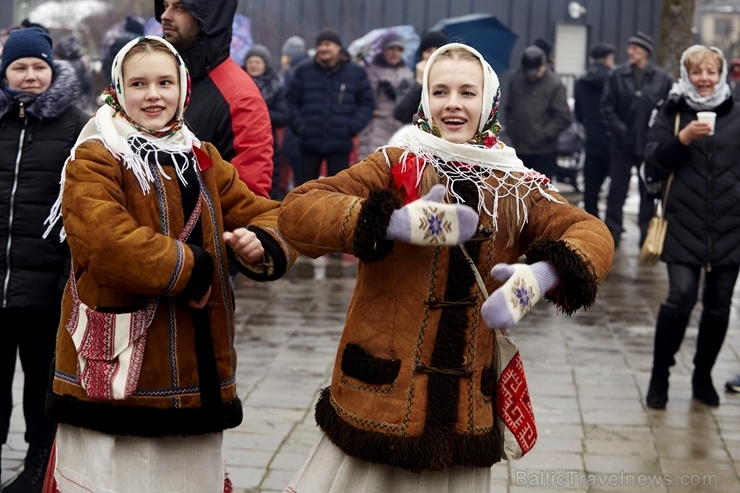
[
  {"x": 712, "y": 330},
  {"x": 31, "y": 479},
  {"x": 669, "y": 331}
]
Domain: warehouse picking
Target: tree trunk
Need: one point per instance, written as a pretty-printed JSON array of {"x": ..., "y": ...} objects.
[{"x": 675, "y": 33}]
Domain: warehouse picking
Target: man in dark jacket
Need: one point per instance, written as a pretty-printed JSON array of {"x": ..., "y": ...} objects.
[
  {"x": 331, "y": 101},
  {"x": 587, "y": 95},
  {"x": 226, "y": 107},
  {"x": 536, "y": 112},
  {"x": 631, "y": 92}
]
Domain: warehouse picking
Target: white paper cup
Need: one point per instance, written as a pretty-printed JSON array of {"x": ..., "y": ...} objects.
[{"x": 707, "y": 116}]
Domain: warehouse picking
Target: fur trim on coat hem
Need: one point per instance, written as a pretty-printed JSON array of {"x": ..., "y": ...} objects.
[
  {"x": 369, "y": 244},
  {"x": 115, "y": 419},
  {"x": 435, "y": 450},
  {"x": 578, "y": 282}
]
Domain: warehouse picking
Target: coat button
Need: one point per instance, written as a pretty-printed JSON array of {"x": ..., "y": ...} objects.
[
  {"x": 432, "y": 301},
  {"x": 488, "y": 231},
  {"x": 419, "y": 367},
  {"x": 469, "y": 371},
  {"x": 472, "y": 297}
]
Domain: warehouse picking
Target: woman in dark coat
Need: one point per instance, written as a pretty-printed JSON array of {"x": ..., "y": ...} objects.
[
  {"x": 39, "y": 126},
  {"x": 259, "y": 66},
  {"x": 703, "y": 213}
]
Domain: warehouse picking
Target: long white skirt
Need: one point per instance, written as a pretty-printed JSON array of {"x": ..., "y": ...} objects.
[
  {"x": 90, "y": 461},
  {"x": 329, "y": 470}
]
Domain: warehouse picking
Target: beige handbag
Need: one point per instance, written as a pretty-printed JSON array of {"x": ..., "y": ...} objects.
[{"x": 652, "y": 247}]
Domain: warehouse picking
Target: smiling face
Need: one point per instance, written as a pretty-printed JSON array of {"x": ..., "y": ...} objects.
[
  {"x": 705, "y": 77},
  {"x": 29, "y": 74},
  {"x": 456, "y": 97},
  {"x": 151, "y": 88}
]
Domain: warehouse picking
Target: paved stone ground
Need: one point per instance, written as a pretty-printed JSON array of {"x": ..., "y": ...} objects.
[{"x": 587, "y": 374}]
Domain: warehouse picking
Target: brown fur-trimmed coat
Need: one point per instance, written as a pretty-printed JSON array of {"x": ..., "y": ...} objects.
[
  {"x": 416, "y": 308},
  {"x": 121, "y": 258}
]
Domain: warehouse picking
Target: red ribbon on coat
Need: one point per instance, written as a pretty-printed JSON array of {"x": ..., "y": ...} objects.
[{"x": 405, "y": 174}]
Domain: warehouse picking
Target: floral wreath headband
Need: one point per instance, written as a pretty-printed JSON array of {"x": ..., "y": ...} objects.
[
  {"x": 488, "y": 125},
  {"x": 114, "y": 94}
]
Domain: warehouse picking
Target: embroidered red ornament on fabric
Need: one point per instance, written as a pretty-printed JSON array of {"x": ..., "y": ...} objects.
[{"x": 513, "y": 405}]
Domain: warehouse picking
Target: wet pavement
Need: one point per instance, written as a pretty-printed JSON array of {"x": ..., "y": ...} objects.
[{"x": 587, "y": 374}]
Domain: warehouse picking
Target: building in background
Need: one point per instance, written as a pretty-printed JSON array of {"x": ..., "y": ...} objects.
[{"x": 718, "y": 24}]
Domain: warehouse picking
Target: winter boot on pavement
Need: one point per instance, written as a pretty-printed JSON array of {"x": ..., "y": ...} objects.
[
  {"x": 31, "y": 479},
  {"x": 733, "y": 384},
  {"x": 669, "y": 331},
  {"x": 712, "y": 330}
]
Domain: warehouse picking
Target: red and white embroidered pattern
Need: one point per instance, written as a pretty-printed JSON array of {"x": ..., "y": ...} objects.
[
  {"x": 110, "y": 346},
  {"x": 513, "y": 405},
  {"x": 110, "y": 349}
]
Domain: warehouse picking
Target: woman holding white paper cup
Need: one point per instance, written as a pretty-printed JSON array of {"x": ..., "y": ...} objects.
[{"x": 703, "y": 213}]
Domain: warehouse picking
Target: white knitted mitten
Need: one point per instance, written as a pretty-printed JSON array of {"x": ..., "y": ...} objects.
[
  {"x": 524, "y": 286},
  {"x": 429, "y": 221}
]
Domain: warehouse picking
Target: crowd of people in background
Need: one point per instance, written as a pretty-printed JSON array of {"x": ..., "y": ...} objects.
[{"x": 274, "y": 127}]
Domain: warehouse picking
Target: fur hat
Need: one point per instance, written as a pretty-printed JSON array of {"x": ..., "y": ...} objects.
[
  {"x": 28, "y": 42},
  {"x": 328, "y": 35},
  {"x": 294, "y": 47},
  {"x": 642, "y": 40},
  {"x": 601, "y": 50}
]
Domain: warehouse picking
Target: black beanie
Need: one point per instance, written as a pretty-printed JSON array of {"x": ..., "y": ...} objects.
[
  {"x": 29, "y": 42},
  {"x": 328, "y": 35},
  {"x": 642, "y": 40},
  {"x": 432, "y": 39}
]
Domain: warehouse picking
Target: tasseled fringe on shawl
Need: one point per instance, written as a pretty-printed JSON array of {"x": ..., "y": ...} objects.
[
  {"x": 513, "y": 182},
  {"x": 137, "y": 159}
]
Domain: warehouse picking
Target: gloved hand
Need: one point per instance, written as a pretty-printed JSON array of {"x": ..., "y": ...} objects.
[
  {"x": 429, "y": 221},
  {"x": 386, "y": 87},
  {"x": 524, "y": 286}
]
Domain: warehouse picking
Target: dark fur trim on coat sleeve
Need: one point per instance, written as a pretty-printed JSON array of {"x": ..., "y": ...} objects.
[
  {"x": 578, "y": 282},
  {"x": 369, "y": 244},
  {"x": 274, "y": 264},
  {"x": 201, "y": 277}
]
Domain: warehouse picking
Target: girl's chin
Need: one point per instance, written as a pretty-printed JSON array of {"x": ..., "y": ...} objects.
[{"x": 455, "y": 137}]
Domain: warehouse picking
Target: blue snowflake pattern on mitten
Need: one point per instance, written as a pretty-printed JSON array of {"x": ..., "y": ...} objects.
[
  {"x": 522, "y": 296},
  {"x": 435, "y": 225}
]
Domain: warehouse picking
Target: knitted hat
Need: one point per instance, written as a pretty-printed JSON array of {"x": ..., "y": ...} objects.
[
  {"x": 294, "y": 47},
  {"x": 532, "y": 59},
  {"x": 601, "y": 50},
  {"x": 260, "y": 51},
  {"x": 642, "y": 40},
  {"x": 29, "y": 42},
  {"x": 393, "y": 39},
  {"x": 328, "y": 35},
  {"x": 432, "y": 39}
]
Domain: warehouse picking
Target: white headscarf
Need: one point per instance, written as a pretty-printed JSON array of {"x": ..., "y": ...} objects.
[
  {"x": 684, "y": 87},
  {"x": 424, "y": 141},
  {"x": 127, "y": 140}
]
